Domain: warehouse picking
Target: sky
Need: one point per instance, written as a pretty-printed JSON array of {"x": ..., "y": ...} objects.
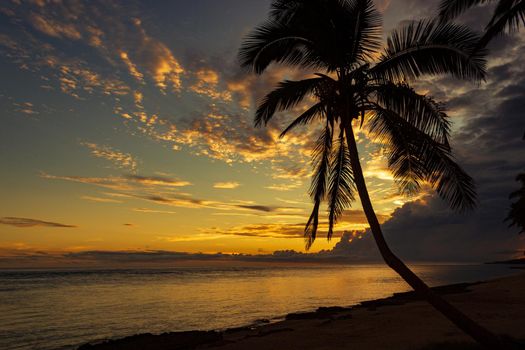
[{"x": 126, "y": 136}]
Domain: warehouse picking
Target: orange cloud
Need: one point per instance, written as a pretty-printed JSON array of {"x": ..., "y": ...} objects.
[
  {"x": 207, "y": 81},
  {"x": 122, "y": 183},
  {"x": 131, "y": 67}
]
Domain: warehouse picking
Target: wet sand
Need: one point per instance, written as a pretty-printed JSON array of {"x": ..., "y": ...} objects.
[{"x": 400, "y": 322}]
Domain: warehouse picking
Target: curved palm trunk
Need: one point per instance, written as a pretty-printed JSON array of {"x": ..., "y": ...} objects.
[{"x": 476, "y": 331}]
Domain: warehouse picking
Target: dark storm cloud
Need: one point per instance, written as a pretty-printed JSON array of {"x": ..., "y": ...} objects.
[{"x": 26, "y": 222}]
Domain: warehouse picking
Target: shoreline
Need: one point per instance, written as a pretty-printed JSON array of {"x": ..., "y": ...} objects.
[{"x": 292, "y": 329}]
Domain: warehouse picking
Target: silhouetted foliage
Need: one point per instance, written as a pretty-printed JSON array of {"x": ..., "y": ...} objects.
[
  {"x": 358, "y": 80},
  {"x": 517, "y": 209},
  {"x": 507, "y": 17}
]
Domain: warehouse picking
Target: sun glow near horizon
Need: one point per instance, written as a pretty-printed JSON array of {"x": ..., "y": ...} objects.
[{"x": 129, "y": 129}]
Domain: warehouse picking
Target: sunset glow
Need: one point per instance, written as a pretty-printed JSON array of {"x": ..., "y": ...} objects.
[{"x": 130, "y": 128}]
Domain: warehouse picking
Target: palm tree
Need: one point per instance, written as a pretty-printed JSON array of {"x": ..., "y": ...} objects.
[
  {"x": 355, "y": 81},
  {"x": 517, "y": 209},
  {"x": 507, "y": 16}
]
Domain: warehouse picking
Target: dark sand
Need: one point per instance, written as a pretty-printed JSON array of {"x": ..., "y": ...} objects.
[{"x": 398, "y": 322}]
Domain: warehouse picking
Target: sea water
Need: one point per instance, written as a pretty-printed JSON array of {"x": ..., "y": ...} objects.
[{"x": 63, "y": 309}]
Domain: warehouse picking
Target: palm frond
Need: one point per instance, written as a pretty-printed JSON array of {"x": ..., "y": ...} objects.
[
  {"x": 428, "y": 47},
  {"x": 305, "y": 118},
  {"x": 310, "y": 230},
  {"x": 508, "y": 17},
  {"x": 415, "y": 157},
  {"x": 418, "y": 110},
  {"x": 321, "y": 164},
  {"x": 323, "y": 34},
  {"x": 341, "y": 184},
  {"x": 274, "y": 41},
  {"x": 287, "y": 95},
  {"x": 450, "y": 9},
  {"x": 503, "y": 7},
  {"x": 403, "y": 155},
  {"x": 285, "y": 10},
  {"x": 517, "y": 210},
  {"x": 366, "y": 38}
]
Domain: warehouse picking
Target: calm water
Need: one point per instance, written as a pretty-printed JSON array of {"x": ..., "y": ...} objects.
[{"x": 62, "y": 309}]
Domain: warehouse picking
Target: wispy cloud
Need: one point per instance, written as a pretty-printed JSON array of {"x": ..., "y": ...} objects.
[
  {"x": 26, "y": 222},
  {"x": 100, "y": 199},
  {"x": 151, "y": 189},
  {"x": 262, "y": 230},
  {"x": 154, "y": 211},
  {"x": 284, "y": 187},
  {"x": 226, "y": 185},
  {"x": 123, "y": 183},
  {"x": 158, "y": 180},
  {"x": 120, "y": 159}
]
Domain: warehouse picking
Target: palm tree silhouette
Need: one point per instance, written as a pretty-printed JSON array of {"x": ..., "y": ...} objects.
[
  {"x": 341, "y": 40},
  {"x": 507, "y": 16}
]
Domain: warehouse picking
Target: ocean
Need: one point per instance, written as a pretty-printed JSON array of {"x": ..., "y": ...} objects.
[{"x": 57, "y": 309}]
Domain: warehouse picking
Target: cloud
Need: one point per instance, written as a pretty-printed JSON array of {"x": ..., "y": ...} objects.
[
  {"x": 153, "y": 211},
  {"x": 220, "y": 124},
  {"x": 284, "y": 187},
  {"x": 54, "y": 29},
  {"x": 429, "y": 231},
  {"x": 226, "y": 185},
  {"x": 157, "y": 59},
  {"x": 150, "y": 188},
  {"x": 264, "y": 208},
  {"x": 263, "y": 230},
  {"x": 100, "y": 199},
  {"x": 120, "y": 159},
  {"x": 123, "y": 183},
  {"x": 127, "y": 44},
  {"x": 25, "y": 222},
  {"x": 127, "y": 59},
  {"x": 186, "y": 201},
  {"x": 131, "y": 67},
  {"x": 207, "y": 81},
  {"x": 158, "y": 180},
  {"x": 28, "y": 258}
]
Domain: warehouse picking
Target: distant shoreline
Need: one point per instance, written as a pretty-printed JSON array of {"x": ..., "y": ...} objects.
[{"x": 327, "y": 322}]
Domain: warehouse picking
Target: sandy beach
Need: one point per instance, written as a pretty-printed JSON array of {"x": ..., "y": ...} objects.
[{"x": 400, "y": 322}]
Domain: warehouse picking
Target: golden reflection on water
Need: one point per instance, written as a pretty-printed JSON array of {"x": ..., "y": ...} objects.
[{"x": 48, "y": 310}]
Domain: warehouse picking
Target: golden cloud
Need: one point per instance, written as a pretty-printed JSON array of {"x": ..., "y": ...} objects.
[
  {"x": 226, "y": 185},
  {"x": 207, "y": 81},
  {"x": 131, "y": 67},
  {"x": 122, "y": 183}
]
